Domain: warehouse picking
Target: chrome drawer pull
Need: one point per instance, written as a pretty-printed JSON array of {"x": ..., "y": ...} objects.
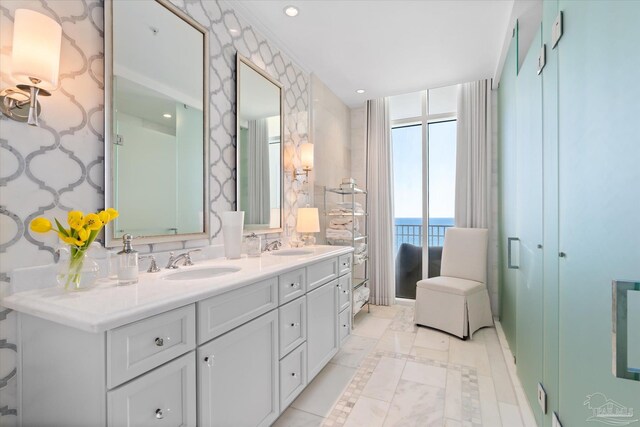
[
  {"x": 159, "y": 342},
  {"x": 159, "y": 414}
]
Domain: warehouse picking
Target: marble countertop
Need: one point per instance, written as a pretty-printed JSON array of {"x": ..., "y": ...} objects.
[{"x": 109, "y": 306}]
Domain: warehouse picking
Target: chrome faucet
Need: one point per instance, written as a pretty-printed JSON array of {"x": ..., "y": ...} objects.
[
  {"x": 153, "y": 266},
  {"x": 186, "y": 256},
  {"x": 273, "y": 246}
]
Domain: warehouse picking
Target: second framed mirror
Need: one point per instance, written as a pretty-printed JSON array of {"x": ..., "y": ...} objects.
[{"x": 260, "y": 130}]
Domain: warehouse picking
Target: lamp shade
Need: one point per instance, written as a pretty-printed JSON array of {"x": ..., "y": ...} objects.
[
  {"x": 306, "y": 156},
  {"x": 308, "y": 220},
  {"x": 36, "y": 49}
]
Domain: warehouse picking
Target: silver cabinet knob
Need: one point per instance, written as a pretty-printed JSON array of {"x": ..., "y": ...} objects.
[
  {"x": 539, "y": 246},
  {"x": 159, "y": 342},
  {"x": 294, "y": 375},
  {"x": 344, "y": 326},
  {"x": 209, "y": 360},
  {"x": 295, "y": 285},
  {"x": 562, "y": 255},
  {"x": 159, "y": 414},
  {"x": 296, "y": 324}
]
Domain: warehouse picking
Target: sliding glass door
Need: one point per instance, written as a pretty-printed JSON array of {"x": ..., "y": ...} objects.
[{"x": 424, "y": 141}]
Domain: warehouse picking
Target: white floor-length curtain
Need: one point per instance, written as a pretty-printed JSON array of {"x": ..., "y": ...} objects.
[
  {"x": 259, "y": 203},
  {"x": 474, "y": 169},
  {"x": 380, "y": 202}
]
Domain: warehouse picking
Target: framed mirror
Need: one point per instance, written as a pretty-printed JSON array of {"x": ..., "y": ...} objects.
[
  {"x": 260, "y": 148},
  {"x": 156, "y": 122}
]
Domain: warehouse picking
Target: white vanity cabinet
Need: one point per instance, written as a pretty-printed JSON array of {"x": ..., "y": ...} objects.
[
  {"x": 232, "y": 358},
  {"x": 238, "y": 376}
]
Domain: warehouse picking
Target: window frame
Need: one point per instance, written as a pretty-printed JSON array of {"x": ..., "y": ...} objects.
[{"x": 425, "y": 119}]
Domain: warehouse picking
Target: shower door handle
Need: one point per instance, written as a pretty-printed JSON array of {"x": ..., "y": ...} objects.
[
  {"x": 621, "y": 291},
  {"x": 510, "y": 263}
]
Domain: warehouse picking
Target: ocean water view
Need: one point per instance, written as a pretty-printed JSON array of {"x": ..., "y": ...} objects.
[{"x": 409, "y": 230}]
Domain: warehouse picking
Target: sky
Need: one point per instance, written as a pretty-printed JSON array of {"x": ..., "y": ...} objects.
[{"x": 407, "y": 170}]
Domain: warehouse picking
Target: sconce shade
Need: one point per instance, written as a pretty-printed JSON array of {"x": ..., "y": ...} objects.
[
  {"x": 308, "y": 220},
  {"x": 36, "y": 49},
  {"x": 306, "y": 156}
]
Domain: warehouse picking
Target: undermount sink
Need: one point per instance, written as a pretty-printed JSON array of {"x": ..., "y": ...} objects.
[
  {"x": 201, "y": 273},
  {"x": 292, "y": 252}
]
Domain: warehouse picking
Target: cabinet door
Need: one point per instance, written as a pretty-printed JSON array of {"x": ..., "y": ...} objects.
[
  {"x": 238, "y": 376},
  {"x": 322, "y": 327}
]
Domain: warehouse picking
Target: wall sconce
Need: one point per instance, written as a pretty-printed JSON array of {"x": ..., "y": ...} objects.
[
  {"x": 306, "y": 158},
  {"x": 35, "y": 62}
]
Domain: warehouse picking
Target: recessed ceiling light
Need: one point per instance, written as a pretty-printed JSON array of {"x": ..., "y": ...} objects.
[
  {"x": 166, "y": 115},
  {"x": 233, "y": 30},
  {"x": 360, "y": 91},
  {"x": 291, "y": 11}
]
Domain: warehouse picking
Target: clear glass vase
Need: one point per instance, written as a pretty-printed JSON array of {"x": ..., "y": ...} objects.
[{"x": 76, "y": 270}]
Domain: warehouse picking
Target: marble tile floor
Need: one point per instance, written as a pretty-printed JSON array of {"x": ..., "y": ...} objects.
[{"x": 391, "y": 372}]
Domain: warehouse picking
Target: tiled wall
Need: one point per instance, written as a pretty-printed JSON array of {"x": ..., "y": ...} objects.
[{"x": 59, "y": 166}]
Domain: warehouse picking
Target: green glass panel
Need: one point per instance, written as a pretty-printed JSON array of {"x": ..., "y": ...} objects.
[
  {"x": 599, "y": 202},
  {"x": 507, "y": 182},
  {"x": 529, "y": 229},
  {"x": 550, "y": 203}
]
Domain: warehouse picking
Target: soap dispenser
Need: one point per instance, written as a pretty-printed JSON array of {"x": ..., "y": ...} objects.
[{"x": 127, "y": 262}]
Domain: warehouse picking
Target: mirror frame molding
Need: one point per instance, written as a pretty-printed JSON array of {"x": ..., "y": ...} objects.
[
  {"x": 240, "y": 59},
  {"x": 110, "y": 239}
]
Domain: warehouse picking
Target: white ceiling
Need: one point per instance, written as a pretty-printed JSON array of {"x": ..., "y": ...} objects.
[{"x": 386, "y": 47}]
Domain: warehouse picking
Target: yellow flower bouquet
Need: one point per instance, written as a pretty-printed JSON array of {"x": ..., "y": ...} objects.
[{"x": 83, "y": 230}]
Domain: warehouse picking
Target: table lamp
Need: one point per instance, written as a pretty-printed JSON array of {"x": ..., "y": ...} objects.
[{"x": 307, "y": 224}]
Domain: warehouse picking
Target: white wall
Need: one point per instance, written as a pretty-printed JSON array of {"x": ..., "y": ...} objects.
[
  {"x": 358, "y": 146},
  {"x": 331, "y": 136}
]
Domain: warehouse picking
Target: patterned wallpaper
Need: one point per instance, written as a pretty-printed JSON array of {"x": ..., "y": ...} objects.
[{"x": 60, "y": 165}]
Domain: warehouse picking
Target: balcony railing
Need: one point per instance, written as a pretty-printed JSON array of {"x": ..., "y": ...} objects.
[{"x": 413, "y": 234}]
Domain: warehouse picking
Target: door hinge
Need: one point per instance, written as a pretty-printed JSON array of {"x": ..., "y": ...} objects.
[{"x": 118, "y": 140}]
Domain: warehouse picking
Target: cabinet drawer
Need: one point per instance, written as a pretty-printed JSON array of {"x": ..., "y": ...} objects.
[
  {"x": 292, "y": 285},
  {"x": 344, "y": 325},
  {"x": 321, "y": 273},
  {"x": 222, "y": 313},
  {"x": 166, "y": 396},
  {"x": 344, "y": 264},
  {"x": 293, "y": 375},
  {"x": 293, "y": 325},
  {"x": 141, "y": 346},
  {"x": 344, "y": 292}
]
